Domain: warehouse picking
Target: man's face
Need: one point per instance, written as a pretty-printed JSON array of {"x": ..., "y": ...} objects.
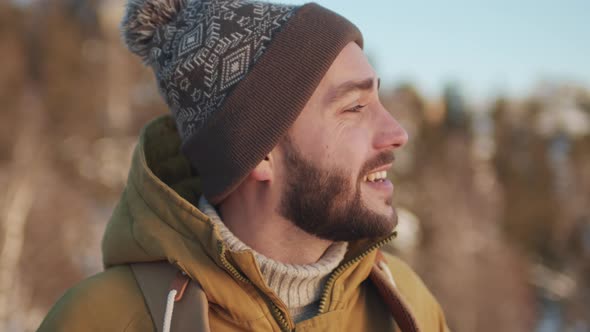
[{"x": 336, "y": 154}]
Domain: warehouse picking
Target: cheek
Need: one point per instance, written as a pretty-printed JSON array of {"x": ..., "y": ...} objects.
[
  {"x": 344, "y": 145},
  {"x": 349, "y": 149}
]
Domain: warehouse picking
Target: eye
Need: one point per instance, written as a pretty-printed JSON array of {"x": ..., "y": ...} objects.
[{"x": 355, "y": 109}]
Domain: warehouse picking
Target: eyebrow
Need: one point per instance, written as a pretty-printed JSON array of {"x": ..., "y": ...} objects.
[{"x": 351, "y": 86}]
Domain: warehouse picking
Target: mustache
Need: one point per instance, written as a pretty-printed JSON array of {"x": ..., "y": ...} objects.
[{"x": 383, "y": 158}]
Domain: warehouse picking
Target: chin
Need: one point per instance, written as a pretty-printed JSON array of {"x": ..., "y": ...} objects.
[
  {"x": 390, "y": 214},
  {"x": 382, "y": 207}
]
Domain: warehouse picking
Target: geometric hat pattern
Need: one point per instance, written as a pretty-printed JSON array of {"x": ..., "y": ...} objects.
[{"x": 204, "y": 50}]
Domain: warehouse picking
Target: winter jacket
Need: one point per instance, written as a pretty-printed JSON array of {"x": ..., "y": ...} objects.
[{"x": 156, "y": 220}]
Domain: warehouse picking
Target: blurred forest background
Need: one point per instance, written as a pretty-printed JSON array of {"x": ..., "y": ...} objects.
[{"x": 493, "y": 197}]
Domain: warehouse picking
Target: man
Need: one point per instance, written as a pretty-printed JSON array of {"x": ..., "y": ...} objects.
[{"x": 267, "y": 187}]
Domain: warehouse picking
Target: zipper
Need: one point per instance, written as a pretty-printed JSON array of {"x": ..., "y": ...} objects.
[
  {"x": 276, "y": 311},
  {"x": 228, "y": 266},
  {"x": 280, "y": 318},
  {"x": 339, "y": 270}
]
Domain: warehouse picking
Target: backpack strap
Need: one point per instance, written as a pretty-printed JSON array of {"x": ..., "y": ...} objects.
[
  {"x": 192, "y": 311},
  {"x": 383, "y": 280}
]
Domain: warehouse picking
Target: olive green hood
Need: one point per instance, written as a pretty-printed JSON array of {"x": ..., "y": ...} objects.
[{"x": 156, "y": 218}]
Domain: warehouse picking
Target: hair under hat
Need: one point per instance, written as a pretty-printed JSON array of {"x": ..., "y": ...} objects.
[{"x": 234, "y": 73}]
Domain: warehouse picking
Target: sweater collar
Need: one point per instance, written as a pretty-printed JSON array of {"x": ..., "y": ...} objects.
[{"x": 296, "y": 285}]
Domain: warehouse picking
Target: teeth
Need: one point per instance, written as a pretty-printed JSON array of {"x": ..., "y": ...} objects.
[{"x": 375, "y": 176}]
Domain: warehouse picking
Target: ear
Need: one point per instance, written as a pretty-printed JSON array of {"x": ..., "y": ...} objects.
[{"x": 264, "y": 170}]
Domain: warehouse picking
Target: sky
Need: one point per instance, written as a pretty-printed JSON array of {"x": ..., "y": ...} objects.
[{"x": 487, "y": 47}]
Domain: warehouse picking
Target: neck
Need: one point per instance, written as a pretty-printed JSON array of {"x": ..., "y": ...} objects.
[{"x": 253, "y": 218}]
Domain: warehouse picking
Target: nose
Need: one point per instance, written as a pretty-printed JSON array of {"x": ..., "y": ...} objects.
[{"x": 390, "y": 135}]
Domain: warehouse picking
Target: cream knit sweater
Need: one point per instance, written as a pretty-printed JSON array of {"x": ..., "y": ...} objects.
[{"x": 298, "y": 286}]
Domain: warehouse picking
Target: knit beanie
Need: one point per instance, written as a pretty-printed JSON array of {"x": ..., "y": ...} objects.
[{"x": 234, "y": 73}]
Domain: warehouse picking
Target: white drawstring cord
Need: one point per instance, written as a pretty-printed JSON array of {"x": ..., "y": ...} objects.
[
  {"x": 385, "y": 269},
  {"x": 169, "y": 309}
]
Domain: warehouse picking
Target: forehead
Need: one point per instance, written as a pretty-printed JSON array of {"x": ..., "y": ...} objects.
[{"x": 350, "y": 65}]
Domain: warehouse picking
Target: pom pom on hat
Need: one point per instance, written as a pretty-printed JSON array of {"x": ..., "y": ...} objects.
[{"x": 143, "y": 18}]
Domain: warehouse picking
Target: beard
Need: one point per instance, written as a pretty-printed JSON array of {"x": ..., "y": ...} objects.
[{"x": 326, "y": 204}]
